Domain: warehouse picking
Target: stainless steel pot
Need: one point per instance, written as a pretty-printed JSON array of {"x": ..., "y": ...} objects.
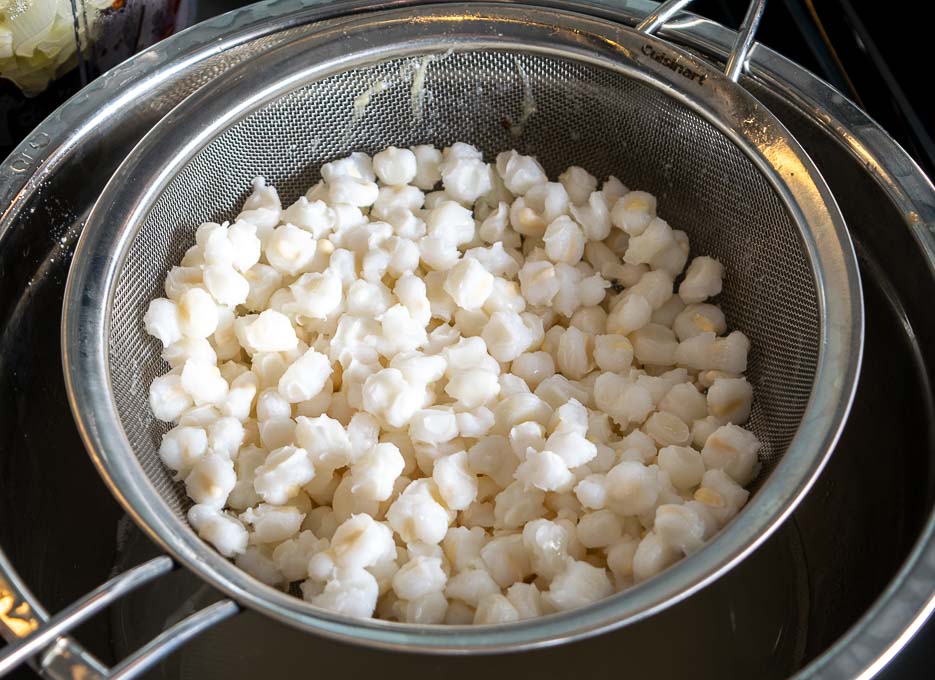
[{"x": 788, "y": 91}]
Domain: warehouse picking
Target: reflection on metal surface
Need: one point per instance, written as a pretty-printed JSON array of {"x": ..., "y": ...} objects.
[{"x": 18, "y": 618}]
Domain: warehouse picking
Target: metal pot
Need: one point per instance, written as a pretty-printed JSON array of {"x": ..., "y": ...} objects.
[{"x": 783, "y": 607}]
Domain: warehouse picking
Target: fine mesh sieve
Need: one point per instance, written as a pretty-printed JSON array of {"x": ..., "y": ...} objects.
[
  {"x": 704, "y": 182},
  {"x": 568, "y": 88}
]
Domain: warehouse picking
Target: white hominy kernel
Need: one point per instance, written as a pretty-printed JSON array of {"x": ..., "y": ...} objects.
[
  {"x": 428, "y": 158},
  {"x": 197, "y": 314},
  {"x": 519, "y": 173},
  {"x": 538, "y": 282},
  {"x": 352, "y": 592},
  {"x": 272, "y": 523},
  {"x": 633, "y": 212},
  {"x": 533, "y": 367},
  {"x": 162, "y": 320},
  {"x": 525, "y": 436},
  {"x": 361, "y": 542},
  {"x": 290, "y": 249},
  {"x": 730, "y": 400},
  {"x": 211, "y": 480},
  {"x": 654, "y": 344},
  {"x": 427, "y": 609},
  {"x": 388, "y": 396},
  {"x": 624, "y": 402},
  {"x": 722, "y": 496},
  {"x": 418, "y": 577},
  {"x": 457, "y": 484},
  {"x": 544, "y": 470},
  {"x": 576, "y": 585},
  {"x": 462, "y": 547},
  {"x": 282, "y": 474},
  {"x": 705, "y": 351},
  {"x": 271, "y": 331},
  {"x": 226, "y": 285},
  {"x": 526, "y": 599},
  {"x": 469, "y": 284},
  {"x": 667, "y": 429},
  {"x": 702, "y": 280},
  {"x": 374, "y": 474},
  {"x": 221, "y": 530},
  {"x": 277, "y": 433},
  {"x": 507, "y": 336},
  {"x": 472, "y": 388},
  {"x": 574, "y": 354},
  {"x": 418, "y": 514},
  {"x": 564, "y": 240},
  {"x": 263, "y": 280},
  {"x": 317, "y": 295},
  {"x": 654, "y": 240},
  {"x": 475, "y": 423},
  {"x": 395, "y": 166},
  {"x": 685, "y": 401},
  {"x": 681, "y": 526},
  {"x": 226, "y": 436},
  {"x": 516, "y": 505},
  {"x": 450, "y": 222},
  {"x": 697, "y": 319},
  {"x": 572, "y": 448},
  {"x": 268, "y": 367},
  {"x": 471, "y": 586},
  {"x": 180, "y": 279},
  {"x": 506, "y": 559},
  {"x": 592, "y": 320},
  {"x": 592, "y": 491},
  {"x": 493, "y": 609},
  {"x": 652, "y": 555},
  {"x": 305, "y": 378},
  {"x": 632, "y": 488},
  {"x": 438, "y": 253},
  {"x": 702, "y": 429},
  {"x": 631, "y": 314},
  {"x": 466, "y": 179},
  {"x": 684, "y": 466},
  {"x": 491, "y": 456},
  {"x": 613, "y": 353},
  {"x": 203, "y": 382},
  {"x": 558, "y": 389},
  {"x": 655, "y": 286},
  {"x": 599, "y": 529},
  {"x": 668, "y": 312},
  {"x": 243, "y": 494},
  {"x": 292, "y": 555},
  {"x": 578, "y": 182},
  {"x": 594, "y": 216},
  {"x": 168, "y": 399},
  {"x": 345, "y": 502},
  {"x": 620, "y": 560},
  {"x": 732, "y": 449},
  {"x": 258, "y": 562}
]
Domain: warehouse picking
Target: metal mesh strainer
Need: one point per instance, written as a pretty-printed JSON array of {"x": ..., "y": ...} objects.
[
  {"x": 705, "y": 184},
  {"x": 611, "y": 99}
]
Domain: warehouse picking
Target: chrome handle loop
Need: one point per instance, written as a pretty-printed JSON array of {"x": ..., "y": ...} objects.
[
  {"x": 740, "y": 52},
  {"x": 47, "y": 635}
]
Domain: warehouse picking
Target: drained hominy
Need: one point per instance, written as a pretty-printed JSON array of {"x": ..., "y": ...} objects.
[{"x": 440, "y": 390}]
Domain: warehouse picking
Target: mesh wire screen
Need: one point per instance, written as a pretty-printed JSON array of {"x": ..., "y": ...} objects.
[{"x": 584, "y": 115}]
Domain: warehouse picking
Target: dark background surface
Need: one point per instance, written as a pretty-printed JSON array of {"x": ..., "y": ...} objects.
[{"x": 875, "y": 60}]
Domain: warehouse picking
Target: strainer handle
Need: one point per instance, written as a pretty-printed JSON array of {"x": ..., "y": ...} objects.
[
  {"x": 737, "y": 60},
  {"x": 48, "y": 635}
]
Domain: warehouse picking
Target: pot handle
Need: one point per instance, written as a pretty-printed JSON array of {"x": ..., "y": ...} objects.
[
  {"x": 49, "y": 635},
  {"x": 737, "y": 61}
]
